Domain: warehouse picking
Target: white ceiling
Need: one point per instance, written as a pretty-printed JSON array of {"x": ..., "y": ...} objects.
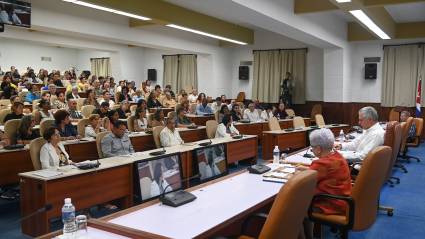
[{"x": 413, "y": 12}]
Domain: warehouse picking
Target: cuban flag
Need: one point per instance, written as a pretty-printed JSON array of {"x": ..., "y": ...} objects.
[{"x": 418, "y": 98}]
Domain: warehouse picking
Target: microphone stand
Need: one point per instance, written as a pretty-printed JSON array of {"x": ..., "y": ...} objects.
[{"x": 46, "y": 208}]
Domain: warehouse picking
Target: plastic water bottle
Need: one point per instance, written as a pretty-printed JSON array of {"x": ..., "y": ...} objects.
[
  {"x": 276, "y": 155},
  {"x": 68, "y": 219},
  {"x": 341, "y": 136}
]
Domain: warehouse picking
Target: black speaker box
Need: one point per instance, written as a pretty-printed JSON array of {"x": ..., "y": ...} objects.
[
  {"x": 1, "y": 27},
  {"x": 152, "y": 74},
  {"x": 243, "y": 72},
  {"x": 370, "y": 71}
]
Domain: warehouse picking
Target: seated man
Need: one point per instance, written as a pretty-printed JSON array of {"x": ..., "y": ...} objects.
[
  {"x": 168, "y": 101},
  {"x": 203, "y": 108},
  {"x": 103, "y": 110},
  {"x": 404, "y": 115},
  {"x": 251, "y": 113},
  {"x": 373, "y": 136},
  {"x": 216, "y": 105},
  {"x": 117, "y": 142},
  {"x": 169, "y": 136},
  {"x": 74, "y": 114},
  {"x": 106, "y": 97}
]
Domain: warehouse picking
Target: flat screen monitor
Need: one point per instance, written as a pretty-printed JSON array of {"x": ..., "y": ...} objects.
[
  {"x": 156, "y": 176},
  {"x": 16, "y": 13},
  {"x": 212, "y": 162}
]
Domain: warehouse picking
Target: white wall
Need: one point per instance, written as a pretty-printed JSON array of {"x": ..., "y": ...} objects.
[{"x": 22, "y": 54}]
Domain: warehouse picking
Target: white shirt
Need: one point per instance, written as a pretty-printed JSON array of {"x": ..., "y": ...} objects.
[
  {"x": 143, "y": 124},
  {"x": 215, "y": 107},
  {"x": 155, "y": 191},
  {"x": 252, "y": 116},
  {"x": 208, "y": 172},
  {"x": 169, "y": 138},
  {"x": 48, "y": 156},
  {"x": 192, "y": 98},
  {"x": 4, "y": 17},
  {"x": 221, "y": 131},
  {"x": 90, "y": 132},
  {"x": 111, "y": 103},
  {"x": 363, "y": 144},
  {"x": 266, "y": 115}
]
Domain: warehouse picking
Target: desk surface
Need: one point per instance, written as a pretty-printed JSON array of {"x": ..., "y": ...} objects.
[{"x": 214, "y": 205}]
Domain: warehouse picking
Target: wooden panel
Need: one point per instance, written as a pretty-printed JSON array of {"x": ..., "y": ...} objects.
[
  {"x": 251, "y": 129},
  {"x": 241, "y": 150},
  {"x": 143, "y": 143},
  {"x": 200, "y": 120},
  {"x": 292, "y": 140},
  {"x": 12, "y": 163},
  {"x": 193, "y": 135},
  {"x": 86, "y": 190},
  {"x": 82, "y": 151}
]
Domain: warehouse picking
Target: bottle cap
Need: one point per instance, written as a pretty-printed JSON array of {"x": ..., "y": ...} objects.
[{"x": 67, "y": 200}]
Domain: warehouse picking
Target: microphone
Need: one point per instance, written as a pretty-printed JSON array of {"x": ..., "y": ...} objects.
[
  {"x": 205, "y": 143},
  {"x": 307, "y": 155},
  {"x": 46, "y": 208},
  {"x": 177, "y": 198},
  {"x": 156, "y": 153}
]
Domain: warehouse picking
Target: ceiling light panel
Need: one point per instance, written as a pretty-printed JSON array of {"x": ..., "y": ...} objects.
[{"x": 362, "y": 17}]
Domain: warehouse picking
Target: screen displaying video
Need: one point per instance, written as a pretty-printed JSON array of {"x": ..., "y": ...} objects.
[
  {"x": 15, "y": 13},
  {"x": 158, "y": 176},
  {"x": 211, "y": 162}
]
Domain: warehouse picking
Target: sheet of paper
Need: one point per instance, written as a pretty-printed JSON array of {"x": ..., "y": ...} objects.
[{"x": 47, "y": 173}]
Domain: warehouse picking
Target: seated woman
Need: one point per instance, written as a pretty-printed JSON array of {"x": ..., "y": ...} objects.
[
  {"x": 280, "y": 112},
  {"x": 91, "y": 99},
  {"x": 333, "y": 174},
  {"x": 159, "y": 184},
  {"x": 224, "y": 110},
  {"x": 44, "y": 111},
  {"x": 33, "y": 94},
  {"x": 181, "y": 119},
  {"x": 267, "y": 113},
  {"x": 17, "y": 112},
  {"x": 109, "y": 121},
  {"x": 94, "y": 127},
  {"x": 226, "y": 128},
  {"x": 123, "y": 95},
  {"x": 236, "y": 112},
  {"x": 158, "y": 118},
  {"x": 200, "y": 98},
  {"x": 53, "y": 153},
  {"x": 153, "y": 101},
  {"x": 26, "y": 131},
  {"x": 140, "y": 122},
  {"x": 60, "y": 102},
  {"x": 124, "y": 110},
  {"x": 141, "y": 104},
  {"x": 63, "y": 124}
]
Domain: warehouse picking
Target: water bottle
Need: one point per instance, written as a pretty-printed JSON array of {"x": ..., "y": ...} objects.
[
  {"x": 276, "y": 155},
  {"x": 68, "y": 219},
  {"x": 341, "y": 136}
]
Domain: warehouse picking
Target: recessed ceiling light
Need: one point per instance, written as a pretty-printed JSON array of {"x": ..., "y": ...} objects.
[
  {"x": 90, "y": 5},
  {"x": 361, "y": 16},
  {"x": 205, "y": 34}
]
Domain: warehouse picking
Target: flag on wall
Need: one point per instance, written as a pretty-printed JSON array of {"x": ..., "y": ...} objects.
[{"x": 418, "y": 98}]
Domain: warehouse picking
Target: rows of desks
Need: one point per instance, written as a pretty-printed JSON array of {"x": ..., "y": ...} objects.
[
  {"x": 113, "y": 180},
  {"x": 214, "y": 212}
]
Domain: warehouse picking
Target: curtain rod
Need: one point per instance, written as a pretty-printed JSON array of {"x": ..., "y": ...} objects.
[
  {"x": 181, "y": 55},
  {"x": 100, "y": 58},
  {"x": 283, "y": 49},
  {"x": 406, "y": 44}
]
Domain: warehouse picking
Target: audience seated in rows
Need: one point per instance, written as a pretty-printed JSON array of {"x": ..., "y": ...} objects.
[
  {"x": 17, "y": 112},
  {"x": 103, "y": 110},
  {"x": 181, "y": 119},
  {"x": 60, "y": 101},
  {"x": 251, "y": 113},
  {"x": 26, "y": 131},
  {"x": 158, "y": 118},
  {"x": 63, "y": 124},
  {"x": 117, "y": 142},
  {"x": 74, "y": 114},
  {"x": 44, "y": 111},
  {"x": 203, "y": 108}
]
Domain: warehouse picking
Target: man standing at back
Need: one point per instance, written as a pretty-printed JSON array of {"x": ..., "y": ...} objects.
[
  {"x": 372, "y": 136},
  {"x": 117, "y": 142}
]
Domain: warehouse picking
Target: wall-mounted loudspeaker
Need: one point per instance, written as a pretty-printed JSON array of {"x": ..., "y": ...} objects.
[
  {"x": 370, "y": 70},
  {"x": 152, "y": 74},
  {"x": 243, "y": 72}
]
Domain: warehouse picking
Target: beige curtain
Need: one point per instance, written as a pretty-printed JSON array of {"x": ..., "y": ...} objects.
[
  {"x": 181, "y": 71},
  {"x": 270, "y": 68},
  {"x": 402, "y": 66},
  {"x": 100, "y": 66},
  {"x": 171, "y": 64},
  {"x": 188, "y": 72}
]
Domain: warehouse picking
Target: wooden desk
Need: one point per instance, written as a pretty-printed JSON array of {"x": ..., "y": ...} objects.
[
  {"x": 200, "y": 119},
  {"x": 13, "y": 162},
  {"x": 166, "y": 110},
  {"x": 112, "y": 180}
]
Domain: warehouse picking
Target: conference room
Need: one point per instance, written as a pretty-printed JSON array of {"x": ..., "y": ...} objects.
[{"x": 211, "y": 118}]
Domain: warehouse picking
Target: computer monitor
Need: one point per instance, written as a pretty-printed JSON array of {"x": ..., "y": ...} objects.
[
  {"x": 156, "y": 176},
  {"x": 212, "y": 162}
]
